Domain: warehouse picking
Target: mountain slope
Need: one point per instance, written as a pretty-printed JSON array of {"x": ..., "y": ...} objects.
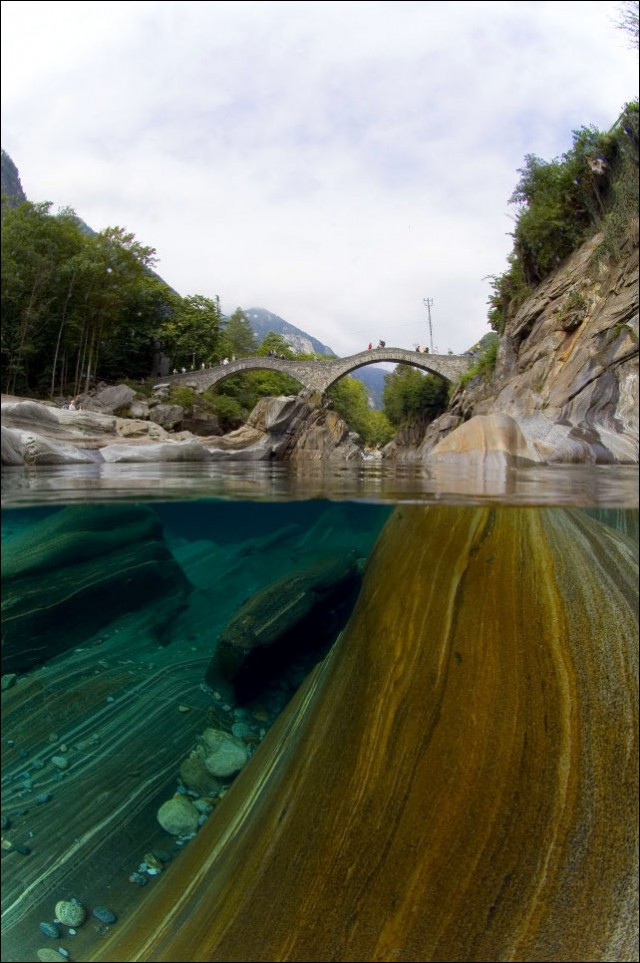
[
  {"x": 263, "y": 321},
  {"x": 12, "y": 191}
]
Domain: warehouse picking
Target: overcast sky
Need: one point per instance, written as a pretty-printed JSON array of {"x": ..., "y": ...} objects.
[{"x": 334, "y": 162}]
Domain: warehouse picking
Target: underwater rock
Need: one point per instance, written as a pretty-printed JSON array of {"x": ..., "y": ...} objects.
[
  {"x": 299, "y": 603},
  {"x": 178, "y": 816},
  {"x": 70, "y": 912},
  {"x": 73, "y": 572},
  {"x": 196, "y": 776},
  {"x": 104, "y": 915},
  {"x": 225, "y": 754},
  {"x": 457, "y": 780},
  {"x": 47, "y": 955}
]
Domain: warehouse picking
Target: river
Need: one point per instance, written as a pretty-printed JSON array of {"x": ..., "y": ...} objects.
[{"x": 127, "y": 662}]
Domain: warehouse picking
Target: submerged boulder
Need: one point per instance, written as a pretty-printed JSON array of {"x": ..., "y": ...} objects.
[{"x": 288, "y": 615}]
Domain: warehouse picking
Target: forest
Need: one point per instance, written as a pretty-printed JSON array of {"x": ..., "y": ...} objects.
[{"x": 81, "y": 307}]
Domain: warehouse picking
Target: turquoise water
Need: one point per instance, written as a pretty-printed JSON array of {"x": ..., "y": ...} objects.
[{"x": 140, "y": 615}]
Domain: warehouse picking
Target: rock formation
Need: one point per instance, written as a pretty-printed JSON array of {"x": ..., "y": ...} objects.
[
  {"x": 301, "y": 428},
  {"x": 77, "y": 570},
  {"x": 456, "y": 781},
  {"x": 566, "y": 373}
]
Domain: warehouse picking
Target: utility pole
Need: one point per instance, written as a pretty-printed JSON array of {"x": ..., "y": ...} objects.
[{"x": 428, "y": 302}]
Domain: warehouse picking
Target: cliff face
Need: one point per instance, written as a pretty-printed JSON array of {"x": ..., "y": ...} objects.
[{"x": 567, "y": 368}]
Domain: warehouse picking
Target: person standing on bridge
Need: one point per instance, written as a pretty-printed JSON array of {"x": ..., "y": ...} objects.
[
  {"x": 382, "y": 344},
  {"x": 370, "y": 347}
]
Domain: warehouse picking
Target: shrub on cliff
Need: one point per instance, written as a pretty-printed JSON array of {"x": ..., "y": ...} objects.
[{"x": 561, "y": 202}]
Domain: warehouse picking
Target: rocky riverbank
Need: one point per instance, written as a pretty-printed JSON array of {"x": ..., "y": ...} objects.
[
  {"x": 303, "y": 428},
  {"x": 565, "y": 385}
]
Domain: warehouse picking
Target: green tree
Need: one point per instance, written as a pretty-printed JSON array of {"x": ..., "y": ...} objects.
[
  {"x": 192, "y": 335},
  {"x": 276, "y": 343},
  {"x": 628, "y": 20},
  {"x": 350, "y": 398},
  {"x": 73, "y": 301},
  {"x": 410, "y": 396},
  {"x": 239, "y": 338}
]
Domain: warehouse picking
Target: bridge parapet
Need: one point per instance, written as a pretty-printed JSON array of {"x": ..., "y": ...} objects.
[{"x": 321, "y": 374}]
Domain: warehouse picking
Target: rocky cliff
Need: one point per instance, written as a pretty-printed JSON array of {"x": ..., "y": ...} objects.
[{"x": 566, "y": 373}]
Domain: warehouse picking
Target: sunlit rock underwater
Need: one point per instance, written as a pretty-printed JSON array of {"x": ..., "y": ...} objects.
[{"x": 452, "y": 776}]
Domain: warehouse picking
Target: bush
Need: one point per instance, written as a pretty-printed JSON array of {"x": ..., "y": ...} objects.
[
  {"x": 181, "y": 395},
  {"x": 229, "y": 412},
  {"x": 483, "y": 366},
  {"x": 562, "y": 202}
]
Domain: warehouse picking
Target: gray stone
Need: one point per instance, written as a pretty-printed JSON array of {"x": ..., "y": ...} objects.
[
  {"x": 227, "y": 760},
  {"x": 178, "y": 816},
  {"x": 111, "y": 399},
  {"x": 170, "y": 452},
  {"x": 167, "y": 415}
]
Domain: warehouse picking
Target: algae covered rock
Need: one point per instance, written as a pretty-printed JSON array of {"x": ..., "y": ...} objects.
[{"x": 178, "y": 816}]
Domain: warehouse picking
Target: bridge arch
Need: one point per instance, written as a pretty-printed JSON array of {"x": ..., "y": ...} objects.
[{"x": 320, "y": 374}]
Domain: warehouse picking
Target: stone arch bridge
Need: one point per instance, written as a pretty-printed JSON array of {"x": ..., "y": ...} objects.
[{"x": 321, "y": 374}]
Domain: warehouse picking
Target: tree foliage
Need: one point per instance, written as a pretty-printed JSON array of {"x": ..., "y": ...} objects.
[
  {"x": 410, "y": 396},
  {"x": 628, "y": 20},
  {"x": 74, "y": 302},
  {"x": 192, "y": 333},
  {"x": 351, "y": 400},
  {"x": 562, "y": 202},
  {"x": 238, "y": 338}
]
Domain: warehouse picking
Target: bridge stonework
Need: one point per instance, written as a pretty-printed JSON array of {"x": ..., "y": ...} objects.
[{"x": 320, "y": 375}]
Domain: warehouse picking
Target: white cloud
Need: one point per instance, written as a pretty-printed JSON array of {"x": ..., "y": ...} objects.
[{"x": 334, "y": 162}]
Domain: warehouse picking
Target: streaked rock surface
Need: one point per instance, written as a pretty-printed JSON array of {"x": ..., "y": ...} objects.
[
  {"x": 456, "y": 781},
  {"x": 78, "y": 569},
  {"x": 567, "y": 367}
]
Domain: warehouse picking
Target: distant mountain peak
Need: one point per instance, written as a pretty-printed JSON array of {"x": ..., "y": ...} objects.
[{"x": 263, "y": 321}]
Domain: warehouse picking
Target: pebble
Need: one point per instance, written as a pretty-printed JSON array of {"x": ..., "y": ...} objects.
[
  {"x": 104, "y": 915},
  {"x": 5, "y": 822},
  {"x": 152, "y": 863},
  {"x": 162, "y": 855},
  {"x": 71, "y": 912},
  {"x": 8, "y": 680},
  {"x": 51, "y": 956},
  {"x": 110, "y": 699},
  {"x": 23, "y": 850},
  {"x": 242, "y": 730},
  {"x": 50, "y": 929},
  {"x": 60, "y": 762},
  {"x": 184, "y": 709},
  {"x": 43, "y": 797},
  {"x": 139, "y": 879}
]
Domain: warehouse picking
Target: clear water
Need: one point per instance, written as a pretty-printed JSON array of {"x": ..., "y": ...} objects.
[{"x": 120, "y": 583}]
